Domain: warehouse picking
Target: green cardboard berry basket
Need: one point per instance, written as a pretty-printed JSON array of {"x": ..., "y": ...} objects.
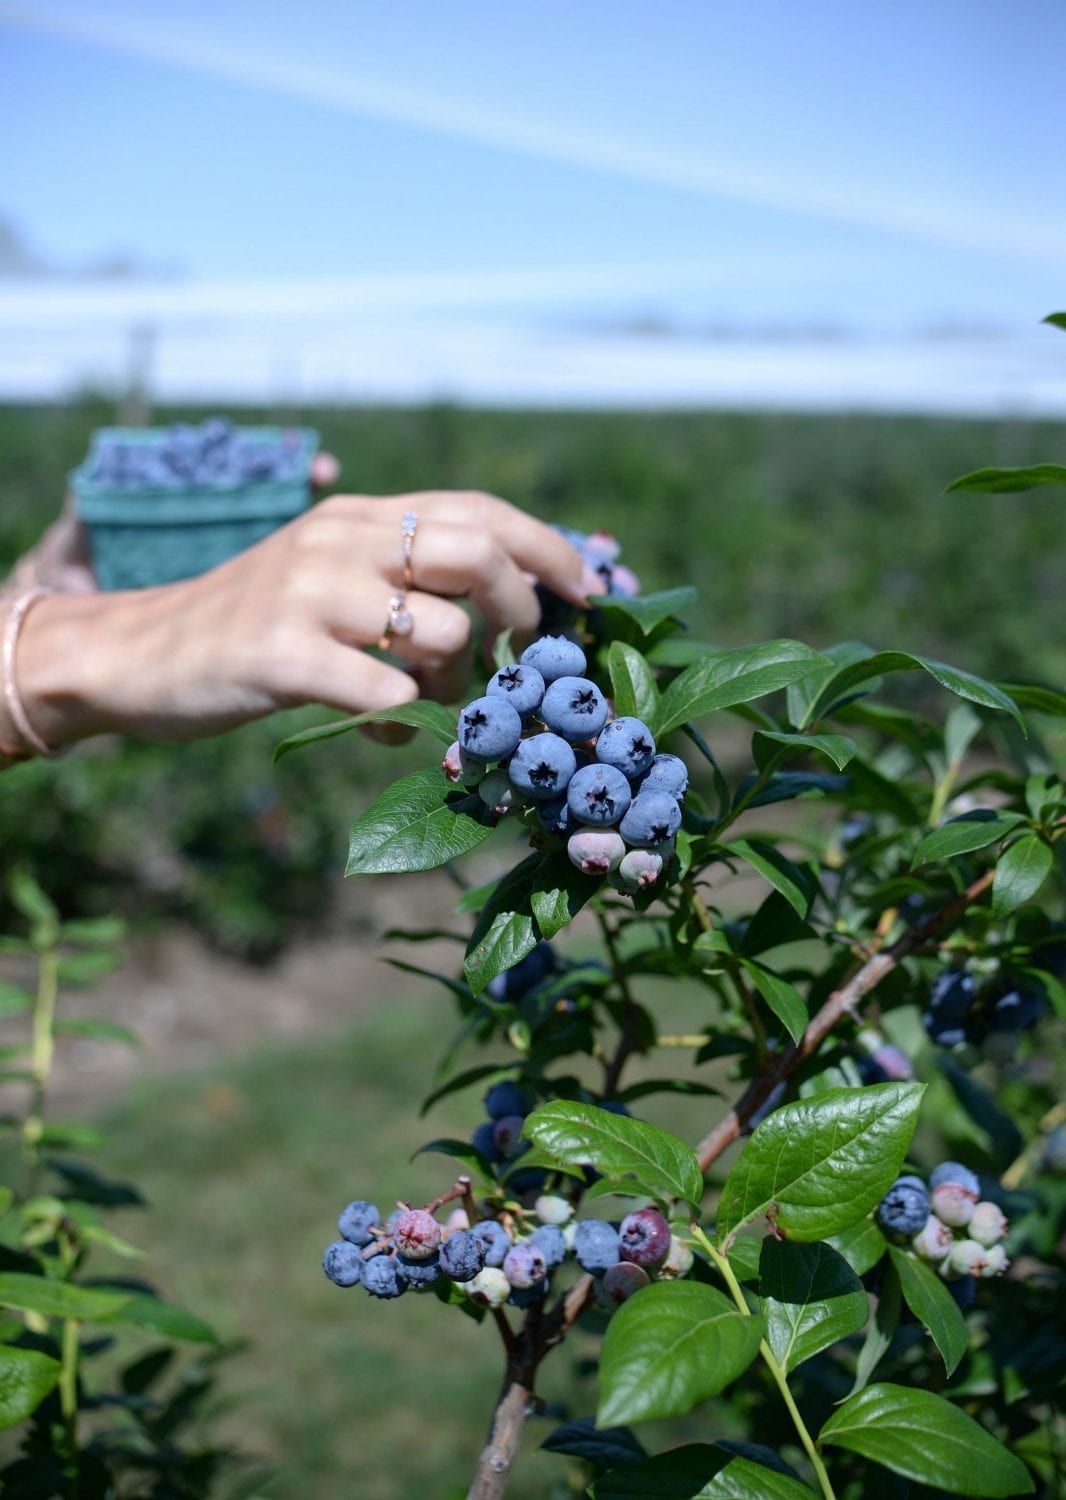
[{"x": 146, "y": 536}]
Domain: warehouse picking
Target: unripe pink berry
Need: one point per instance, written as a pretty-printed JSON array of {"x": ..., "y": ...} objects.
[
  {"x": 640, "y": 868},
  {"x": 996, "y": 1261},
  {"x": 934, "y": 1241},
  {"x": 524, "y": 1265},
  {"x": 644, "y": 1237},
  {"x": 967, "y": 1258},
  {"x": 596, "y": 851},
  {"x": 416, "y": 1234},
  {"x": 618, "y": 1283},
  {"x": 953, "y": 1204},
  {"x": 988, "y": 1224},
  {"x": 457, "y": 1219}
]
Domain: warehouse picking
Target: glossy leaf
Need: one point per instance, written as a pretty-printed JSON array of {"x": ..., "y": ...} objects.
[
  {"x": 925, "y": 1438},
  {"x": 574, "y": 1134},
  {"x": 649, "y": 610},
  {"x": 932, "y": 1304},
  {"x": 962, "y": 684},
  {"x": 412, "y": 827},
  {"x": 835, "y": 747},
  {"x": 778, "y": 869},
  {"x": 963, "y": 835},
  {"x": 816, "y": 1166},
  {"x": 1034, "y": 695},
  {"x": 669, "y": 1348},
  {"x": 422, "y": 714},
  {"x": 699, "y": 1471},
  {"x": 1020, "y": 872},
  {"x": 26, "y": 1378},
  {"x": 603, "y": 1446},
  {"x": 862, "y": 1245},
  {"x": 810, "y": 1298},
  {"x": 560, "y": 890},
  {"x": 882, "y": 1329},
  {"x": 142, "y": 1311},
  {"x": 1009, "y": 481},
  {"x": 508, "y": 938},
  {"x": 736, "y": 676},
  {"x": 58, "y": 1299},
  {"x": 633, "y": 684},
  {"x": 783, "y": 998}
]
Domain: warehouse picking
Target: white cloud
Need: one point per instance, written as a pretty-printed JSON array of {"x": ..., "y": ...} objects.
[{"x": 944, "y": 223}]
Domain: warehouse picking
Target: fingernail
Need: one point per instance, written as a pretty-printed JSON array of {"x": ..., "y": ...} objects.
[{"x": 591, "y": 582}]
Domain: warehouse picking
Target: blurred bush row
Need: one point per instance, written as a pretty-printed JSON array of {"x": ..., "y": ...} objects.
[{"x": 822, "y": 527}]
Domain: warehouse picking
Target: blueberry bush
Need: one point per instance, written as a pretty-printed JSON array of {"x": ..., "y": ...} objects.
[
  {"x": 98, "y": 1397},
  {"x": 871, "y": 1285}
]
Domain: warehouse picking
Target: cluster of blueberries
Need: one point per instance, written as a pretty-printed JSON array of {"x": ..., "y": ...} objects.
[
  {"x": 947, "y": 1224},
  {"x": 498, "y": 1138},
  {"x": 503, "y": 1261},
  {"x": 542, "y": 737},
  {"x": 961, "y": 1009},
  {"x": 213, "y": 455}
]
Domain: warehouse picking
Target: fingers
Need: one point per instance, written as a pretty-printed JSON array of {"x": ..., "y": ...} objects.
[{"x": 355, "y": 683}]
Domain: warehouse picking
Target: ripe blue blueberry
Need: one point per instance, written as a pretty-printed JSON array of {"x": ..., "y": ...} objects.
[
  {"x": 957, "y": 1175},
  {"x": 619, "y": 1283},
  {"x": 554, "y": 815},
  {"x": 653, "y": 819},
  {"x": 542, "y": 766},
  {"x": 357, "y": 1220},
  {"x": 521, "y": 685},
  {"x": 507, "y": 1132},
  {"x": 667, "y": 773},
  {"x": 575, "y": 708},
  {"x": 905, "y": 1207},
  {"x": 951, "y": 999},
  {"x": 596, "y": 1245},
  {"x": 599, "y": 795},
  {"x": 417, "y": 1273},
  {"x": 524, "y": 1265},
  {"x": 525, "y": 975},
  {"x": 596, "y": 851},
  {"x": 1017, "y": 1010},
  {"x": 462, "y": 1255},
  {"x": 529, "y": 1296},
  {"x": 381, "y": 1277},
  {"x": 343, "y": 1263},
  {"x": 553, "y": 656},
  {"x": 484, "y": 1140},
  {"x": 551, "y": 1242},
  {"x": 494, "y": 1236},
  {"x": 628, "y": 744},
  {"x": 489, "y": 728},
  {"x": 507, "y": 1098},
  {"x": 644, "y": 1237}
]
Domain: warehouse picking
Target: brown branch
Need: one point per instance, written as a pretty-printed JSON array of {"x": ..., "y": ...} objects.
[{"x": 840, "y": 1003}]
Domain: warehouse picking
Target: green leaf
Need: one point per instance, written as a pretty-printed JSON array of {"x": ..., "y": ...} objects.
[
  {"x": 422, "y": 714},
  {"x": 862, "y": 1246},
  {"x": 28, "y": 898},
  {"x": 1035, "y": 695},
  {"x": 775, "y": 867},
  {"x": 670, "y": 1347},
  {"x": 14, "y": 1000},
  {"x": 963, "y": 835},
  {"x": 810, "y": 1298},
  {"x": 649, "y": 610},
  {"x": 559, "y": 892},
  {"x": 1009, "y": 481},
  {"x": 633, "y": 684},
  {"x": 932, "y": 1304},
  {"x": 58, "y": 1299},
  {"x": 86, "y": 968},
  {"x": 505, "y": 931},
  {"x": 26, "y": 1378},
  {"x": 105, "y": 1031},
  {"x": 1020, "y": 872},
  {"x": 574, "y": 1134},
  {"x": 1057, "y": 320},
  {"x": 815, "y": 1166},
  {"x": 503, "y": 651},
  {"x": 962, "y": 684},
  {"x": 7, "y": 1197},
  {"x": 411, "y": 826},
  {"x": 459, "y": 1151},
  {"x": 172, "y": 1322},
  {"x": 926, "y": 1439},
  {"x": 783, "y": 998},
  {"x": 735, "y": 676},
  {"x": 603, "y": 1446},
  {"x": 1005, "y": 1140},
  {"x": 478, "y": 1074},
  {"x": 835, "y": 747},
  {"x": 94, "y": 932},
  {"x": 699, "y": 1471}
]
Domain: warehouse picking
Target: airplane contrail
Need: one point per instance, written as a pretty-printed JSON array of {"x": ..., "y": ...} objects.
[{"x": 942, "y": 223}]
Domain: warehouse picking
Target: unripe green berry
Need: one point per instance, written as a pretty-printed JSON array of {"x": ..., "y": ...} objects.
[
  {"x": 678, "y": 1262},
  {"x": 933, "y": 1242},
  {"x": 988, "y": 1224},
  {"x": 551, "y": 1209},
  {"x": 489, "y": 1288}
]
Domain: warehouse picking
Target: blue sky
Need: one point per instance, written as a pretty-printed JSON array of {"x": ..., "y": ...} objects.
[{"x": 727, "y": 163}]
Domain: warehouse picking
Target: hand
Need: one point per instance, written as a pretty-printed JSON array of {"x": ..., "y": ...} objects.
[{"x": 285, "y": 623}]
